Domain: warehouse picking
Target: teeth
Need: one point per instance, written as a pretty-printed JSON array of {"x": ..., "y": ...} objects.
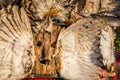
[
  {"x": 108, "y": 68},
  {"x": 111, "y": 74},
  {"x": 112, "y": 69}
]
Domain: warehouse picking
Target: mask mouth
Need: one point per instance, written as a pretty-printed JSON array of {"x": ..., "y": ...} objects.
[{"x": 45, "y": 61}]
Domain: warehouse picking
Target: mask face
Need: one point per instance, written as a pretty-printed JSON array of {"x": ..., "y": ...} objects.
[{"x": 48, "y": 11}]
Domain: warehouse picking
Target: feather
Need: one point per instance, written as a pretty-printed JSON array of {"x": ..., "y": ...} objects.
[
  {"x": 16, "y": 45},
  {"x": 80, "y": 51}
]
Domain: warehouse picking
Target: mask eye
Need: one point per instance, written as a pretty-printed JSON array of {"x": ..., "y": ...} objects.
[{"x": 53, "y": 19}]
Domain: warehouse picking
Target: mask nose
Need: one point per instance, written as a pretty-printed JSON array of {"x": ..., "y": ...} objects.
[{"x": 45, "y": 58}]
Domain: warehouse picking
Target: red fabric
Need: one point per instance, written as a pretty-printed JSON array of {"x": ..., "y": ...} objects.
[
  {"x": 118, "y": 61},
  {"x": 116, "y": 64},
  {"x": 115, "y": 77},
  {"x": 37, "y": 79}
]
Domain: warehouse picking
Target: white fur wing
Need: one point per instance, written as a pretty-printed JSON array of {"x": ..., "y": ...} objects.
[
  {"x": 80, "y": 50},
  {"x": 78, "y": 58},
  {"x": 16, "y": 44}
]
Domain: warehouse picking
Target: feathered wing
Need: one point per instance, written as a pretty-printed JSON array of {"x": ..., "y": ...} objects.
[
  {"x": 79, "y": 50},
  {"x": 16, "y": 44}
]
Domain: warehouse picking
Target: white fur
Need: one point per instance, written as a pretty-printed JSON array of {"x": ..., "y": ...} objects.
[{"x": 107, "y": 45}]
